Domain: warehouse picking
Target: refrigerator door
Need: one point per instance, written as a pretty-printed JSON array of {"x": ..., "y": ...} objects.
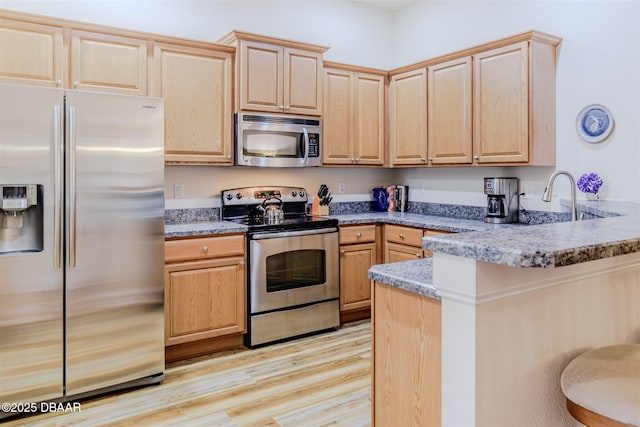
[
  {"x": 31, "y": 278},
  {"x": 115, "y": 240}
]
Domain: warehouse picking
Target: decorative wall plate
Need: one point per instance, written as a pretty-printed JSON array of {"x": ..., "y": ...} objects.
[{"x": 594, "y": 123}]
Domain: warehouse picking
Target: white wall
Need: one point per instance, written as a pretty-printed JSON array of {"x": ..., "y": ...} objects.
[{"x": 598, "y": 63}]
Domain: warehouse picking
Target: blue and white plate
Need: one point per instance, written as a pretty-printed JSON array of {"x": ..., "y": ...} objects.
[{"x": 594, "y": 123}]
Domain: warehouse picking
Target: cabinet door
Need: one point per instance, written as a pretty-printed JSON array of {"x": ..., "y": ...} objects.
[
  {"x": 204, "y": 299},
  {"x": 261, "y": 77},
  {"x": 31, "y": 54},
  {"x": 355, "y": 286},
  {"x": 302, "y": 82},
  {"x": 394, "y": 252},
  {"x": 337, "y": 123},
  {"x": 368, "y": 135},
  {"x": 408, "y": 118},
  {"x": 105, "y": 63},
  {"x": 449, "y": 111},
  {"x": 196, "y": 86},
  {"x": 501, "y": 105}
]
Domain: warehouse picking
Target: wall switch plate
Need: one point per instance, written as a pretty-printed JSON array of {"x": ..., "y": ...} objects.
[
  {"x": 178, "y": 191},
  {"x": 341, "y": 187}
]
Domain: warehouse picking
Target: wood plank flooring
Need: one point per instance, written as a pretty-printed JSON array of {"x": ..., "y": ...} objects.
[{"x": 323, "y": 380}]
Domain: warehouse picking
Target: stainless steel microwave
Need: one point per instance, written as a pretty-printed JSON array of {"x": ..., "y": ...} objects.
[{"x": 277, "y": 140}]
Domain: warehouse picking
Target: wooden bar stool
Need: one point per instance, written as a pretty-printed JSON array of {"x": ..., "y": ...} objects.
[{"x": 602, "y": 386}]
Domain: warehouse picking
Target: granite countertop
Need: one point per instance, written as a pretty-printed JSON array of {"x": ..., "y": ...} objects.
[
  {"x": 203, "y": 228},
  {"x": 455, "y": 225},
  {"x": 538, "y": 246},
  {"x": 413, "y": 276},
  {"x": 547, "y": 245}
]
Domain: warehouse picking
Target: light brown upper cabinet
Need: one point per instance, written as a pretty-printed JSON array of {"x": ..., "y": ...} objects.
[
  {"x": 107, "y": 63},
  {"x": 514, "y": 103},
  {"x": 492, "y": 104},
  {"x": 450, "y": 136},
  {"x": 31, "y": 54},
  {"x": 353, "y": 119},
  {"x": 43, "y": 54},
  {"x": 196, "y": 85},
  {"x": 408, "y": 118},
  {"x": 277, "y": 75}
]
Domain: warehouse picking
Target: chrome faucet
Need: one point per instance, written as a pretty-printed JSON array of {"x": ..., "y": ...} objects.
[{"x": 546, "y": 196}]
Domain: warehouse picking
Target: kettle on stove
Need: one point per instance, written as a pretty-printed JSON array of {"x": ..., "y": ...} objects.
[{"x": 272, "y": 213}]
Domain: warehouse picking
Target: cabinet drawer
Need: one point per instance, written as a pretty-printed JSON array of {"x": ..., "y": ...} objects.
[
  {"x": 404, "y": 235},
  {"x": 203, "y": 248},
  {"x": 357, "y": 234}
]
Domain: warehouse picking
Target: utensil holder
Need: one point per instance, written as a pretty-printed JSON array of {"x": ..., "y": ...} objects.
[{"x": 317, "y": 209}]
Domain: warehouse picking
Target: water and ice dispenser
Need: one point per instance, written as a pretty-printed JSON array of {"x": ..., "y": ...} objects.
[{"x": 21, "y": 217}]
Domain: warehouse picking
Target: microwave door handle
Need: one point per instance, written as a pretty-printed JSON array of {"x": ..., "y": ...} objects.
[{"x": 306, "y": 146}]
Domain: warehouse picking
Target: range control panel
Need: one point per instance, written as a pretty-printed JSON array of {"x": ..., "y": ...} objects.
[{"x": 257, "y": 195}]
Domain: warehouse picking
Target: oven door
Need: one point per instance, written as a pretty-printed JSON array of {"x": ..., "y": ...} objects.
[{"x": 293, "y": 268}]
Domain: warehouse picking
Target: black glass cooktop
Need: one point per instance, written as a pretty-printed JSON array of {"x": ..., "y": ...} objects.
[{"x": 298, "y": 222}]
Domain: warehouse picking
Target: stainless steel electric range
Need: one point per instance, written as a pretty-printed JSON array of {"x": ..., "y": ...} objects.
[{"x": 293, "y": 272}]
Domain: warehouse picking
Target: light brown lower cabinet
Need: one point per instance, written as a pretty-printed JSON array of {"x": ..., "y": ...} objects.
[
  {"x": 205, "y": 297},
  {"x": 402, "y": 243},
  {"x": 406, "y": 360},
  {"x": 358, "y": 252}
]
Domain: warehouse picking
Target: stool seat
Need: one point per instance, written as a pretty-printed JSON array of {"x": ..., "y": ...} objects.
[{"x": 605, "y": 381}]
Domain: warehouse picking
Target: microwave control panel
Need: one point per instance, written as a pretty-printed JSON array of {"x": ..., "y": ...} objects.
[{"x": 314, "y": 145}]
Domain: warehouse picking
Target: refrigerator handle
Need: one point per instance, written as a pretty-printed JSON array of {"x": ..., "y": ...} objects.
[
  {"x": 72, "y": 187},
  {"x": 57, "y": 186}
]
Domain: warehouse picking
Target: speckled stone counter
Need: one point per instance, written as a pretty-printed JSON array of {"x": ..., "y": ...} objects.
[
  {"x": 413, "y": 276},
  {"x": 546, "y": 245},
  {"x": 202, "y": 229},
  {"x": 442, "y": 223}
]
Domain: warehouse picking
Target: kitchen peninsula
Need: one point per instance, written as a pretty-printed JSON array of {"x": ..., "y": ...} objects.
[{"x": 486, "y": 327}]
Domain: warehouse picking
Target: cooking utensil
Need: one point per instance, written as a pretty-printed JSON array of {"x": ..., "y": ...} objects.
[{"x": 272, "y": 213}]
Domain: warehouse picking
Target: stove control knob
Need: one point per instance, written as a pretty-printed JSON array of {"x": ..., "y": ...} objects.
[
  {"x": 294, "y": 193},
  {"x": 229, "y": 196},
  {"x": 301, "y": 193},
  {"x": 238, "y": 196}
]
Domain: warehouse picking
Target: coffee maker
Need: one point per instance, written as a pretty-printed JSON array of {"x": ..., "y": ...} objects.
[{"x": 502, "y": 200}]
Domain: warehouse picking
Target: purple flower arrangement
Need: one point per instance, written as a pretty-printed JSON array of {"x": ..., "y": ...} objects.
[{"x": 590, "y": 183}]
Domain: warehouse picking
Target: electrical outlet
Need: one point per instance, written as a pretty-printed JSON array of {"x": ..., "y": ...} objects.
[
  {"x": 341, "y": 187},
  {"x": 178, "y": 191}
]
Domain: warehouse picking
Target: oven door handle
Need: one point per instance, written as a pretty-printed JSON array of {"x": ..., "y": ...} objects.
[{"x": 279, "y": 235}]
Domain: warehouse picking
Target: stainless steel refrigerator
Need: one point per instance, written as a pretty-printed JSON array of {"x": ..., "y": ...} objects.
[{"x": 81, "y": 242}]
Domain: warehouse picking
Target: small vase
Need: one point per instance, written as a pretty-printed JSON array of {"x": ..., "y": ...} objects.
[{"x": 593, "y": 197}]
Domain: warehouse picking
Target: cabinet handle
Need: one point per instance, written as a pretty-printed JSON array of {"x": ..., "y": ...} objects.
[
  {"x": 241, "y": 263},
  {"x": 476, "y": 157},
  {"x": 357, "y": 159},
  {"x": 358, "y": 234},
  {"x": 205, "y": 249},
  {"x": 418, "y": 255},
  {"x": 401, "y": 236},
  {"x": 58, "y": 82},
  {"x": 422, "y": 159},
  {"x": 281, "y": 107},
  {"x": 342, "y": 251},
  {"x": 228, "y": 156},
  {"x": 430, "y": 159},
  {"x": 353, "y": 160},
  {"x": 286, "y": 108},
  {"x": 76, "y": 84}
]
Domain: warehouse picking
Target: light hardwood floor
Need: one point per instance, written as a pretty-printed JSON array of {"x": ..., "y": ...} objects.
[{"x": 323, "y": 380}]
